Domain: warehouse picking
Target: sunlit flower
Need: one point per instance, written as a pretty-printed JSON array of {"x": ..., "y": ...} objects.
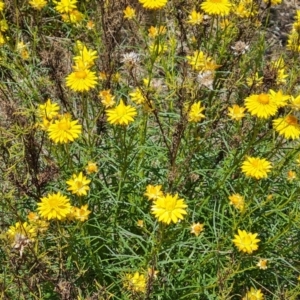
[
  {"x": 107, "y": 99},
  {"x": 81, "y": 80},
  {"x": 91, "y": 168},
  {"x": 291, "y": 175},
  {"x": 1, "y": 5},
  {"x": 216, "y": 7},
  {"x": 65, "y": 6},
  {"x": 78, "y": 184},
  {"x": 21, "y": 229},
  {"x": 64, "y": 130},
  {"x": 201, "y": 62},
  {"x": 137, "y": 96},
  {"x": 85, "y": 58},
  {"x": 245, "y": 8},
  {"x": 262, "y": 105},
  {"x": 74, "y": 16},
  {"x": 140, "y": 223},
  {"x": 279, "y": 98},
  {"x": 153, "y": 4},
  {"x": 254, "y": 81},
  {"x": 236, "y": 112},
  {"x": 121, "y": 115},
  {"x": 54, "y": 206},
  {"x": 38, "y": 4},
  {"x": 195, "y": 18},
  {"x": 48, "y": 110},
  {"x": 82, "y": 213},
  {"x": 90, "y": 25},
  {"x": 256, "y": 167},
  {"x": 169, "y": 208},
  {"x": 293, "y": 43},
  {"x": 195, "y": 112},
  {"x": 254, "y": 294},
  {"x": 237, "y": 201},
  {"x": 197, "y": 228},
  {"x": 129, "y": 13},
  {"x": 135, "y": 282},
  {"x": 262, "y": 264},
  {"x": 295, "y": 103},
  {"x": 3, "y": 25},
  {"x": 246, "y": 242},
  {"x": 154, "y": 31},
  {"x": 287, "y": 126},
  {"x": 153, "y": 192}
]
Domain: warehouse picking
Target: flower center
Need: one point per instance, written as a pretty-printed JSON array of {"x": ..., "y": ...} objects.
[
  {"x": 80, "y": 74},
  {"x": 52, "y": 203},
  {"x": 263, "y": 99},
  {"x": 64, "y": 126},
  {"x": 291, "y": 120}
]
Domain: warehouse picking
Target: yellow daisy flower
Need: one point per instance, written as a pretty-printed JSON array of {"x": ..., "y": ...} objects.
[
  {"x": 65, "y": 6},
  {"x": 54, "y": 206},
  {"x": 216, "y": 7},
  {"x": 256, "y": 167},
  {"x": 287, "y": 126},
  {"x": 279, "y": 98},
  {"x": 81, "y": 79},
  {"x": 78, "y": 184},
  {"x": 73, "y": 16},
  {"x": 295, "y": 103},
  {"x": 48, "y": 110},
  {"x": 129, "y": 13},
  {"x": 153, "y": 4},
  {"x": 197, "y": 228},
  {"x": 82, "y": 213},
  {"x": 137, "y": 96},
  {"x": 236, "y": 112},
  {"x": 246, "y": 241},
  {"x": 237, "y": 201},
  {"x": 85, "y": 58},
  {"x": 64, "y": 130},
  {"x": 1, "y": 5},
  {"x": 38, "y": 4},
  {"x": 195, "y": 112},
  {"x": 169, "y": 208},
  {"x": 91, "y": 168},
  {"x": 121, "y": 115},
  {"x": 254, "y": 294},
  {"x": 153, "y": 192},
  {"x": 262, "y": 264},
  {"x": 195, "y": 18},
  {"x": 135, "y": 282},
  {"x": 291, "y": 175},
  {"x": 262, "y": 105},
  {"x": 23, "y": 230},
  {"x": 107, "y": 99}
]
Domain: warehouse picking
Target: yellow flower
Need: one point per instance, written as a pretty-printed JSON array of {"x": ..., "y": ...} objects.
[
  {"x": 78, "y": 184},
  {"x": 169, "y": 208},
  {"x": 236, "y": 112},
  {"x": 237, "y": 201},
  {"x": 32, "y": 217},
  {"x": 262, "y": 105},
  {"x": 262, "y": 264},
  {"x": 65, "y": 6},
  {"x": 291, "y": 175},
  {"x": 81, "y": 79},
  {"x": 82, "y": 213},
  {"x": 245, "y": 9},
  {"x": 153, "y": 4},
  {"x": 254, "y": 294},
  {"x": 129, "y": 13},
  {"x": 255, "y": 81},
  {"x": 3, "y": 25},
  {"x": 293, "y": 41},
  {"x": 21, "y": 230},
  {"x": 54, "y": 206},
  {"x": 137, "y": 96},
  {"x": 90, "y": 25},
  {"x": 197, "y": 228},
  {"x": 279, "y": 98},
  {"x": 1, "y": 5},
  {"x": 64, "y": 130},
  {"x": 91, "y": 168},
  {"x": 200, "y": 62},
  {"x": 195, "y": 18},
  {"x": 85, "y": 58},
  {"x": 216, "y": 7},
  {"x": 153, "y": 192},
  {"x": 287, "y": 126},
  {"x": 246, "y": 242},
  {"x": 107, "y": 99},
  {"x": 135, "y": 282},
  {"x": 256, "y": 167},
  {"x": 48, "y": 110},
  {"x": 195, "y": 113},
  {"x": 74, "y": 16},
  {"x": 121, "y": 115},
  {"x": 45, "y": 124},
  {"x": 38, "y": 4},
  {"x": 155, "y": 31},
  {"x": 140, "y": 223},
  {"x": 295, "y": 103}
]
